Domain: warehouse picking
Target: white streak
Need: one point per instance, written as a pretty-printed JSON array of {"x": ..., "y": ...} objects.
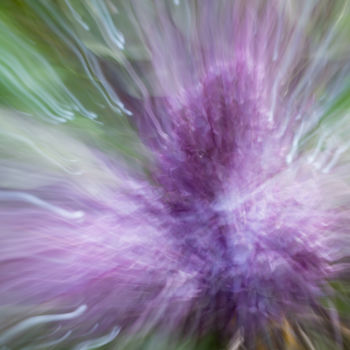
[
  {"x": 37, "y": 320},
  {"x": 294, "y": 149},
  {"x": 306, "y": 339},
  {"x": 95, "y": 343},
  {"x": 48, "y": 344},
  {"x": 335, "y": 158},
  {"x": 29, "y": 198},
  {"x": 236, "y": 342},
  {"x": 42, "y": 153},
  {"x": 76, "y": 16}
]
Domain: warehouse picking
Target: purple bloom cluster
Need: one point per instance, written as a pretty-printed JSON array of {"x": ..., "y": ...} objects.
[{"x": 248, "y": 232}]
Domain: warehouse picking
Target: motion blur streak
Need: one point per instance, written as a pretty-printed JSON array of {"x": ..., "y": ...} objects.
[
  {"x": 37, "y": 320},
  {"x": 174, "y": 174}
]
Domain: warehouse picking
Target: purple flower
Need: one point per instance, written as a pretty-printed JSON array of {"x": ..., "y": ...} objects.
[{"x": 232, "y": 226}]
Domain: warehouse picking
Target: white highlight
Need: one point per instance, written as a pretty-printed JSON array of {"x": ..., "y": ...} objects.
[
  {"x": 237, "y": 341},
  {"x": 29, "y": 198},
  {"x": 38, "y": 320},
  {"x": 95, "y": 343},
  {"x": 106, "y": 24},
  {"x": 335, "y": 158},
  {"x": 48, "y": 344},
  {"x": 76, "y": 16},
  {"x": 306, "y": 339},
  {"x": 31, "y": 144}
]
